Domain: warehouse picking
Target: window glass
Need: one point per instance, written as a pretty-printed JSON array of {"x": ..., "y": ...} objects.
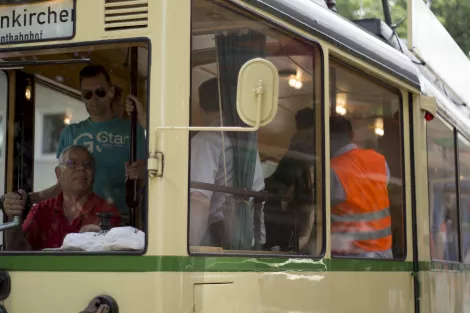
[
  {"x": 53, "y": 125},
  {"x": 442, "y": 191},
  {"x": 367, "y": 208},
  {"x": 277, "y": 165},
  {"x": 464, "y": 173},
  {"x": 54, "y": 111},
  {"x": 70, "y": 148}
]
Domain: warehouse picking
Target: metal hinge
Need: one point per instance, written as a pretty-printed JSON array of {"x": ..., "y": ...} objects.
[{"x": 155, "y": 164}]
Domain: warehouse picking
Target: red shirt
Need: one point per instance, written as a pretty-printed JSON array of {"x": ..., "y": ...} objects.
[{"x": 46, "y": 224}]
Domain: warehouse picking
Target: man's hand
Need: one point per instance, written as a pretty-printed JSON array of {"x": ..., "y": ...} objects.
[
  {"x": 136, "y": 170},
  {"x": 14, "y": 203},
  {"x": 90, "y": 228},
  {"x": 141, "y": 114}
]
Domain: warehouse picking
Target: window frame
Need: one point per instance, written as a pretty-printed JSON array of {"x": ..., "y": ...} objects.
[
  {"x": 136, "y": 41},
  {"x": 458, "y": 178},
  {"x": 455, "y": 133},
  {"x": 4, "y": 154},
  {"x": 287, "y": 31},
  {"x": 398, "y": 91}
]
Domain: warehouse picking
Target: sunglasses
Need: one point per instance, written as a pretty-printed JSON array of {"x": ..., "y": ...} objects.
[{"x": 100, "y": 93}]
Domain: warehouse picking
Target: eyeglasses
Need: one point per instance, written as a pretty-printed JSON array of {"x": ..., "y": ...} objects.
[
  {"x": 74, "y": 163},
  {"x": 100, "y": 93}
]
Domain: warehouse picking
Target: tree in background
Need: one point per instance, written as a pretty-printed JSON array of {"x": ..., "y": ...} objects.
[{"x": 453, "y": 14}]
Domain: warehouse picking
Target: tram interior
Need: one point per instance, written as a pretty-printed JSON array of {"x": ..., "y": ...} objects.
[
  {"x": 373, "y": 110},
  {"x": 55, "y": 101}
]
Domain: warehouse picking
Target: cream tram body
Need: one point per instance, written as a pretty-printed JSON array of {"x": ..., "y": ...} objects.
[{"x": 176, "y": 53}]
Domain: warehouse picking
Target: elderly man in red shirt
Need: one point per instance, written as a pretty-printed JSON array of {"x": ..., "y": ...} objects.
[{"x": 73, "y": 210}]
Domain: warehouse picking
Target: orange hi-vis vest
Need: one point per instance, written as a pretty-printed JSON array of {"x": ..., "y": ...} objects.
[{"x": 364, "y": 218}]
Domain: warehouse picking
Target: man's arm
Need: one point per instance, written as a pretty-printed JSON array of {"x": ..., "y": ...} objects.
[
  {"x": 387, "y": 169},
  {"x": 15, "y": 240},
  {"x": 337, "y": 193},
  {"x": 48, "y": 193}
]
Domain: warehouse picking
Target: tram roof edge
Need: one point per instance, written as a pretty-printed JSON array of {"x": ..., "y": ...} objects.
[
  {"x": 337, "y": 30},
  {"x": 447, "y": 109}
]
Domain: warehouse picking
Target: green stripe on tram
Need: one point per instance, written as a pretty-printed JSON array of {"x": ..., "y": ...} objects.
[
  {"x": 119, "y": 263},
  {"x": 109, "y": 263}
]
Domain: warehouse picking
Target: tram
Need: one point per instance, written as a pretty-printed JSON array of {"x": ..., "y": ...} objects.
[{"x": 282, "y": 68}]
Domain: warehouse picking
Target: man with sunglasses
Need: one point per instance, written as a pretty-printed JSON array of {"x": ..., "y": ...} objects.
[
  {"x": 73, "y": 210},
  {"x": 106, "y": 136}
]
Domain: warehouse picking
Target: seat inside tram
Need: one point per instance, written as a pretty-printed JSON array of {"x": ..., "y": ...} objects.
[{"x": 42, "y": 111}]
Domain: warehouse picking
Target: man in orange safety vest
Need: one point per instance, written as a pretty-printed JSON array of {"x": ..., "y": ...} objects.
[{"x": 360, "y": 215}]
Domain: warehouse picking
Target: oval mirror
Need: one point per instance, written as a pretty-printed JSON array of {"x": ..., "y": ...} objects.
[{"x": 251, "y": 74}]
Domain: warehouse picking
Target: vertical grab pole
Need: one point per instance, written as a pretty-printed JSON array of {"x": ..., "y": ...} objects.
[{"x": 132, "y": 186}]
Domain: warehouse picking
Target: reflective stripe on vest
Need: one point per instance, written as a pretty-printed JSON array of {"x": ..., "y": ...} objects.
[{"x": 363, "y": 219}]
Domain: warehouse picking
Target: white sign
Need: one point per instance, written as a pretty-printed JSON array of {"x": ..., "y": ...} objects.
[
  {"x": 431, "y": 43},
  {"x": 46, "y": 20}
]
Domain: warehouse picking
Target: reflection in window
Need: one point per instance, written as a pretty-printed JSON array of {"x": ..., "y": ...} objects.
[
  {"x": 464, "y": 189},
  {"x": 53, "y": 126},
  {"x": 442, "y": 191},
  {"x": 367, "y": 209},
  {"x": 276, "y": 165}
]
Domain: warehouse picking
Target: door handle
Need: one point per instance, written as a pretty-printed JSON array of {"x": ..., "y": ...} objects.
[{"x": 98, "y": 305}]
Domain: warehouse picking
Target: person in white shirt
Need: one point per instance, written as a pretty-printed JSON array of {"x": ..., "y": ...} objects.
[{"x": 212, "y": 163}]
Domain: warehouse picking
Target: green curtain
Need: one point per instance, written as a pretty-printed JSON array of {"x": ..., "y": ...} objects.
[{"x": 234, "y": 49}]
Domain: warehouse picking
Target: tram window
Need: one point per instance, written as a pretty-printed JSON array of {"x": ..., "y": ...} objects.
[
  {"x": 277, "y": 165},
  {"x": 72, "y": 132},
  {"x": 442, "y": 173},
  {"x": 464, "y": 189},
  {"x": 367, "y": 207}
]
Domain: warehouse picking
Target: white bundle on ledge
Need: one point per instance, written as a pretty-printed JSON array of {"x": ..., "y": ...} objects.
[{"x": 118, "y": 238}]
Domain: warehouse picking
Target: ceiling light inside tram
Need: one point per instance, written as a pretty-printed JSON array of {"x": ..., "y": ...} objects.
[
  {"x": 379, "y": 131},
  {"x": 379, "y": 127},
  {"x": 341, "y": 104},
  {"x": 341, "y": 110},
  {"x": 27, "y": 93},
  {"x": 295, "y": 81}
]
